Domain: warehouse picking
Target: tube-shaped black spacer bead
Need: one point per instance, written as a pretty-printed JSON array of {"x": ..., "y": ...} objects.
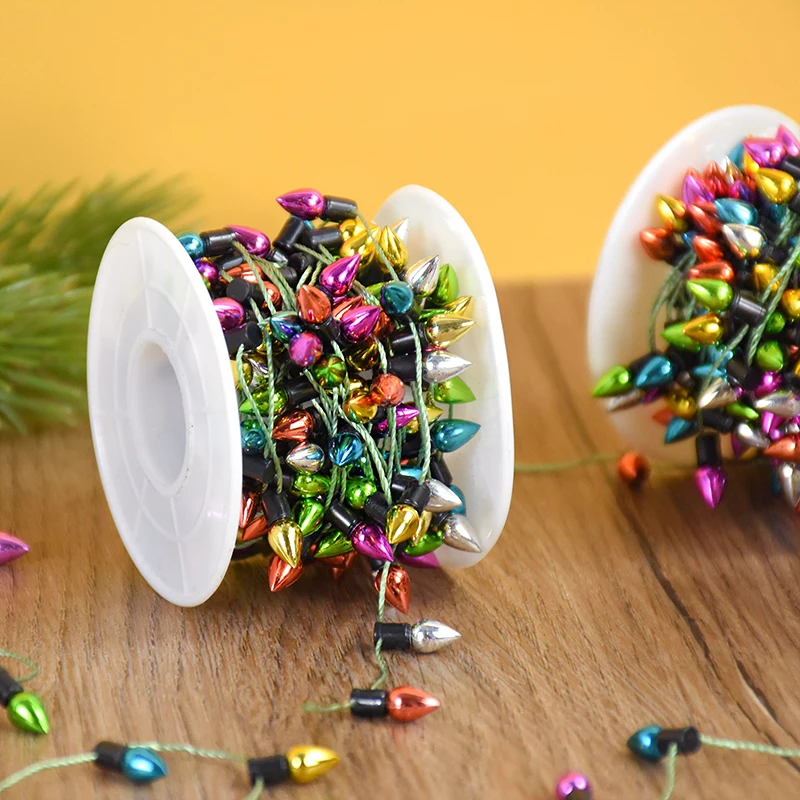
[
  {"x": 8, "y": 687},
  {"x": 369, "y": 702},
  {"x": 393, "y": 635},
  {"x": 301, "y": 261},
  {"x": 256, "y": 467},
  {"x": 328, "y": 236},
  {"x": 687, "y": 739},
  {"x": 376, "y": 508},
  {"x": 417, "y": 496},
  {"x": 411, "y": 446},
  {"x": 271, "y": 770},
  {"x": 249, "y": 335},
  {"x": 791, "y": 164},
  {"x": 707, "y": 449},
  {"x": 718, "y": 420},
  {"x": 773, "y": 253},
  {"x": 299, "y": 390},
  {"x": 231, "y": 260},
  {"x": 290, "y": 275},
  {"x": 400, "y": 483},
  {"x": 743, "y": 374},
  {"x": 341, "y": 517},
  {"x": 110, "y": 755},
  {"x": 240, "y": 290},
  {"x": 338, "y": 209},
  {"x": 748, "y": 310},
  {"x": 403, "y": 341},
  {"x": 441, "y": 472},
  {"x": 218, "y": 241},
  {"x": 289, "y": 235},
  {"x": 404, "y": 366},
  {"x": 277, "y": 256},
  {"x": 276, "y": 506}
]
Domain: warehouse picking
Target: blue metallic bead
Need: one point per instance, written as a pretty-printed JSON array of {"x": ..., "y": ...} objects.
[
  {"x": 657, "y": 371},
  {"x": 462, "y": 509},
  {"x": 253, "y": 437},
  {"x": 735, "y": 211},
  {"x": 677, "y": 429},
  {"x": 345, "y": 449},
  {"x": 704, "y": 370},
  {"x": 285, "y": 325},
  {"x": 414, "y": 472},
  {"x": 688, "y": 237},
  {"x": 397, "y": 297},
  {"x": 450, "y": 434},
  {"x": 192, "y": 244},
  {"x": 643, "y": 743},
  {"x": 777, "y": 213},
  {"x": 141, "y": 765},
  {"x": 737, "y": 155}
]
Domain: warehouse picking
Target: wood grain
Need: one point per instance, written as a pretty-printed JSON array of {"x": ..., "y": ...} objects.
[{"x": 599, "y": 611}]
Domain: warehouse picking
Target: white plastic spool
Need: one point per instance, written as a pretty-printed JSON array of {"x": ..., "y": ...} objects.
[
  {"x": 627, "y": 280},
  {"x": 163, "y": 411}
]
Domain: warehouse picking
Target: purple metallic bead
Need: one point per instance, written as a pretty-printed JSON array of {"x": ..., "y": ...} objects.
[
  {"x": 11, "y": 548},
  {"x": 651, "y": 395},
  {"x": 739, "y": 190},
  {"x": 208, "y": 271},
  {"x": 788, "y": 140},
  {"x": 710, "y": 482},
  {"x": 255, "y": 242},
  {"x": 770, "y": 422},
  {"x": 428, "y": 561},
  {"x": 305, "y": 349},
  {"x": 369, "y": 540},
  {"x": 694, "y": 190},
  {"x": 230, "y": 313},
  {"x": 738, "y": 448},
  {"x": 765, "y": 152},
  {"x": 358, "y": 323},
  {"x": 770, "y": 382},
  {"x": 303, "y": 203},
  {"x": 337, "y": 278},
  {"x": 404, "y": 413},
  {"x": 574, "y": 786}
]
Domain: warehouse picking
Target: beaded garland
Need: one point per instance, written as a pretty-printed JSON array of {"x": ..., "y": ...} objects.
[
  {"x": 339, "y": 353},
  {"x": 731, "y": 304}
]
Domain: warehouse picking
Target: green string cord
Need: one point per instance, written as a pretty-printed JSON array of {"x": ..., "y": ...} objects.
[
  {"x": 750, "y": 747},
  {"x": 322, "y": 258},
  {"x": 424, "y": 424},
  {"x": 563, "y": 466},
  {"x": 255, "y": 792},
  {"x": 45, "y": 766},
  {"x": 669, "y": 770},
  {"x": 28, "y": 662},
  {"x": 378, "y": 248}
]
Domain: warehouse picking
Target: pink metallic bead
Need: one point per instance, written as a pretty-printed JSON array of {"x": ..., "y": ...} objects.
[
  {"x": 255, "y": 242},
  {"x": 694, "y": 189},
  {"x": 369, "y": 540},
  {"x": 770, "y": 422},
  {"x": 574, "y": 786},
  {"x": 770, "y": 382},
  {"x": 11, "y": 548},
  {"x": 208, "y": 271},
  {"x": 788, "y": 140},
  {"x": 359, "y": 323},
  {"x": 710, "y": 482},
  {"x": 305, "y": 349},
  {"x": 404, "y": 413},
  {"x": 303, "y": 203},
  {"x": 337, "y": 278},
  {"x": 230, "y": 313},
  {"x": 765, "y": 152},
  {"x": 428, "y": 561}
]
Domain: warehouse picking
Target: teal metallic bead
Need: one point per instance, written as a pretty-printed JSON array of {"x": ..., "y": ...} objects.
[
  {"x": 192, "y": 244},
  {"x": 450, "y": 434},
  {"x": 656, "y": 371},
  {"x": 678, "y": 429},
  {"x": 702, "y": 371},
  {"x": 414, "y": 472},
  {"x": 345, "y": 449},
  {"x": 253, "y": 436},
  {"x": 140, "y": 765},
  {"x": 462, "y": 509},
  {"x": 737, "y": 155},
  {"x": 397, "y": 297},
  {"x": 777, "y": 212},
  {"x": 285, "y": 325},
  {"x": 735, "y": 211},
  {"x": 644, "y": 744}
]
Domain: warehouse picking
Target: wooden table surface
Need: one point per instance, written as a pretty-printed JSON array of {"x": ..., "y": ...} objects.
[{"x": 599, "y": 611}]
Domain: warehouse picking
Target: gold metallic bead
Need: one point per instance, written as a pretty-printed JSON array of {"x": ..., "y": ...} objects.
[
  {"x": 776, "y": 185},
  {"x": 681, "y": 404},
  {"x": 393, "y": 247},
  {"x": 422, "y": 526},
  {"x": 401, "y": 523},
  {"x": 672, "y": 212},
  {"x": 444, "y": 330},
  {"x": 749, "y": 166},
  {"x": 363, "y": 356},
  {"x": 764, "y": 276},
  {"x": 790, "y": 303},
  {"x": 360, "y": 407},
  {"x": 308, "y": 762},
  {"x": 461, "y": 306},
  {"x": 706, "y": 329},
  {"x": 247, "y": 371},
  {"x": 286, "y": 540}
]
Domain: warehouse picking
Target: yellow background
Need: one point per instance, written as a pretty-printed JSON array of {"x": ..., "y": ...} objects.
[{"x": 532, "y": 118}]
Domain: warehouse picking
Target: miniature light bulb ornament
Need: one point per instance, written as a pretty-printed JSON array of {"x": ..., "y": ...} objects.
[
  {"x": 574, "y": 786},
  {"x": 24, "y": 709},
  {"x": 139, "y": 765},
  {"x": 11, "y": 548},
  {"x": 425, "y": 636},
  {"x": 403, "y": 704},
  {"x": 652, "y": 742}
]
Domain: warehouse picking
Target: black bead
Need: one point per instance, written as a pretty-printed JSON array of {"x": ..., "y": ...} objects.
[
  {"x": 329, "y": 329},
  {"x": 301, "y": 261},
  {"x": 707, "y": 448},
  {"x": 687, "y": 739},
  {"x": 8, "y": 687},
  {"x": 773, "y": 253},
  {"x": 791, "y": 380},
  {"x": 743, "y": 374},
  {"x": 417, "y": 496},
  {"x": 276, "y": 506},
  {"x": 718, "y": 420},
  {"x": 299, "y": 391},
  {"x": 218, "y": 242},
  {"x": 290, "y": 275},
  {"x": 403, "y": 342},
  {"x": 277, "y": 256},
  {"x": 328, "y": 236},
  {"x": 110, "y": 755},
  {"x": 248, "y": 335},
  {"x": 411, "y": 446},
  {"x": 393, "y": 635},
  {"x": 231, "y": 260},
  {"x": 794, "y": 205},
  {"x": 240, "y": 290},
  {"x": 341, "y": 517},
  {"x": 369, "y": 702},
  {"x": 769, "y": 228},
  {"x": 747, "y": 310},
  {"x": 376, "y": 507},
  {"x": 338, "y": 209},
  {"x": 635, "y": 366},
  {"x": 441, "y": 472},
  {"x": 289, "y": 235},
  {"x": 258, "y": 468},
  {"x": 673, "y": 261},
  {"x": 271, "y": 770},
  {"x": 791, "y": 164},
  {"x": 404, "y": 366},
  {"x": 400, "y": 483}
]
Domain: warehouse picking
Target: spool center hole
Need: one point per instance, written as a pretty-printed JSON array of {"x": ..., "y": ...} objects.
[{"x": 158, "y": 415}]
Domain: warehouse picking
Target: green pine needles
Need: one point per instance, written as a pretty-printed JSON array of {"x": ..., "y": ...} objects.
[{"x": 51, "y": 244}]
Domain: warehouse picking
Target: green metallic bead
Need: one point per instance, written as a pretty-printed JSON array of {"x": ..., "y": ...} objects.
[
  {"x": 771, "y": 356},
  {"x": 375, "y": 288},
  {"x": 617, "y": 380},
  {"x": 446, "y": 287},
  {"x": 427, "y": 544},
  {"x": 715, "y": 295},
  {"x": 742, "y": 411},
  {"x": 429, "y": 312},
  {"x": 334, "y": 544},
  {"x": 308, "y": 515},
  {"x": 306, "y": 485},
  {"x": 358, "y": 491},
  {"x": 677, "y": 338},
  {"x": 330, "y": 371},
  {"x": 261, "y": 399},
  {"x": 25, "y": 711},
  {"x": 453, "y": 391},
  {"x": 776, "y": 322}
]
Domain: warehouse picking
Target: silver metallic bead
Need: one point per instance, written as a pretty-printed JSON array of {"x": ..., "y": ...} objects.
[
  {"x": 789, "y": 475},
  {"x": 751, "y": 436},
  {"x": 745, "y": 240},
  {"x": 400, "y": 229},
  {"x": 458, "y": 533},
  {"x": 306, "y": 458},
  {"x": 784, "y": 403},
  {"x": 428, "y": 636},
  {"x": 439, "y": 366},
  {"x": 423, "y": 276},
  {"x": 717, "y": 394},
  {"x": 443, "y": 498},
  {"x": 623, "y": 401}
]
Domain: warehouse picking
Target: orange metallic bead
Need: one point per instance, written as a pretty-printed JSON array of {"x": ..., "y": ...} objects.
[
  {"x": 245, "y": 273},
  {"x": 384, "y": 326},
  {"x": 659, "y": 243},
  {"x": 256, "y": 529},
  {"x": 784, "y": 449},
  {"x": 663, "y": 416},
  {"x": 704, "y": 219},
  {"x": 387, "y": 389},
  {"x": 337, "y": 561},
  {"x": 398, "y": 588},
  {"x": 343, "y": 306},
  {"x": 296, "y": 426},
  {"x": 712, "y": 270},
  {"x": 337, "y": 573},
  {"x": 248, "y": 508},
  {"x": 405, "y": 703},
  {"x": 313, "y": 305},
  {"x": 706, "y": 249},
  {"x": 281, "y": 574},
  {"x": 634, "y": 469}
]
